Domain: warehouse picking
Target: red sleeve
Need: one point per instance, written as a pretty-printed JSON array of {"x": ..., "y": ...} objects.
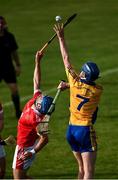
[
  {"x": 31, "y": 101},
  {"x": 37, "y": 93}
]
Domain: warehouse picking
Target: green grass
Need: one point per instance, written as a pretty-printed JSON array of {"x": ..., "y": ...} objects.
[{"x": 92, "y": 35}]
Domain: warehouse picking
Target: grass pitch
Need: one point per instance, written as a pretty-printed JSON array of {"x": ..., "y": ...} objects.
[{"x": 92, "y": 35}]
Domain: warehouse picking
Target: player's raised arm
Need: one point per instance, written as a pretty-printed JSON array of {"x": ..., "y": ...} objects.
[
  {"x": 37, "y": 70},
  {"x": 63, "y": 85},
  {"x": 59, "y": 29}
]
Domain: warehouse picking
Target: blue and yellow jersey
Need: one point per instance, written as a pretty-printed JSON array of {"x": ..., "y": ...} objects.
[{"x": 84, "y": 99}]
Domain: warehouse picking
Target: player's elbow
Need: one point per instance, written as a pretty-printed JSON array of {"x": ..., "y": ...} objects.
[
  {"x": 66, "y": 61},
  {"x": 65, "y": 58}
]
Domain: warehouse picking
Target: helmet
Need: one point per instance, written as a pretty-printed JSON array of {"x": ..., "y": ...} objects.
[
  {"x": 3, "y": 22},
  {"x": 91, "y": 71},
  {"x": 45, "y": 104}
]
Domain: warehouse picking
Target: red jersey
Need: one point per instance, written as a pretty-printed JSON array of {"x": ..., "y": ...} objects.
[{"x": 30, "y": 118}]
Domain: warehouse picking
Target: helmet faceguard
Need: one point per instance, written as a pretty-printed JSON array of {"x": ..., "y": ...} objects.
[
  {"x": 43, "y": 104},
  {"x": 91, "y": 71}
]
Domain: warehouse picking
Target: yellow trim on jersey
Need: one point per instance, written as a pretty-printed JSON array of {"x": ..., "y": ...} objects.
[
  {"x": 93, "y": 138},
  {"x": 84, "y": 99}
]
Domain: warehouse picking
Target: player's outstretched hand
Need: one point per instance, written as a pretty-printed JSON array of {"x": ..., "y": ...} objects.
[
  {"x": 26, "y": 155},
  {"x": 63, "y": 85},
  {"x": 59, "y": 29}
]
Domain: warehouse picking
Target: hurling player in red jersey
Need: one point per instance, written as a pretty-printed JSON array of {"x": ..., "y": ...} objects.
[{"x": 29, "y": 140}]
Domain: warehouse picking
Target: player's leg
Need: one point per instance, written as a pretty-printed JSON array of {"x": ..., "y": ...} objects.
[
  {"x": 89, "y": 152},
  {"x": 80, "y": 164},
  {"x": 11, "y": 81},
  {"x": 19, "y": 174},
  {"x": 20, "y": 166},
  {"x": 15, "y": 97},
  {"x": 2, "y": 162},
  {"x": 2, "y": 167},
  {"x": 89, "y": 159},
  {"x": 74, "y": 144}
]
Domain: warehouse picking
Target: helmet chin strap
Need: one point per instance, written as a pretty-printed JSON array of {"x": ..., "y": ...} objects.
[
  {"x": 87, "y": 81},
  {"x": 83, "y": 76}
]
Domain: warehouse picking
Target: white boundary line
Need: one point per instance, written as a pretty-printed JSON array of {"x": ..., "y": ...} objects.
[
  {"x": 107, "y": 72},
  {"x": 28, "y": 97}
]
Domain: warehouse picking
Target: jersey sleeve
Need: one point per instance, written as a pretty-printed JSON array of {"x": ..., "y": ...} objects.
[
  {"x": 37, "y": 93},
  {"x": 32, "y": 100},
  {"x": 71, "y": 75}
]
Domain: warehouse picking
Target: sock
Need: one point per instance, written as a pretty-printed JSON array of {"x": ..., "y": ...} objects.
[{"x": 16, "y": 101}]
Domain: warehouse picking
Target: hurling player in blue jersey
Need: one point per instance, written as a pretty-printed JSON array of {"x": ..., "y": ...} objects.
[{"x": 84, "y": 99}]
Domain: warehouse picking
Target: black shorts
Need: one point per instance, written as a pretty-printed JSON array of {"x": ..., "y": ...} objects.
[{"x": 8, "y": 75}]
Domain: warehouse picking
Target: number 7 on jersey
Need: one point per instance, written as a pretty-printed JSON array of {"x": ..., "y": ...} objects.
[{"x": 84, "y": 100}]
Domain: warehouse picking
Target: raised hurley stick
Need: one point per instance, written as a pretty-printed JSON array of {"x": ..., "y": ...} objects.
[{"x": 65, "y": 24}]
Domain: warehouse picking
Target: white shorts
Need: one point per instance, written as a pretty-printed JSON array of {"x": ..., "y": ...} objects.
[
  {"x": 19, "y": 163},
  {"x": 2, "y": 151}
]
